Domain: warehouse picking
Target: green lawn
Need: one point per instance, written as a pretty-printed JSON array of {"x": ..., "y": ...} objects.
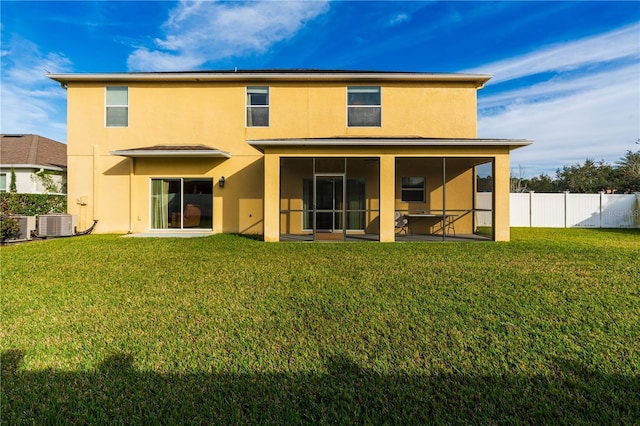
[{"x": 544, "y": 329}]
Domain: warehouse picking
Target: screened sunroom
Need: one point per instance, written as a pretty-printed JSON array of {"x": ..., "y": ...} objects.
[{"x": 386, "y": 189}]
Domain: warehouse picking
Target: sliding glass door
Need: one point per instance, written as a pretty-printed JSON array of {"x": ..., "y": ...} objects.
[
  {"x": 329, "y": 207},
  {"x": 181, "y": 203}
]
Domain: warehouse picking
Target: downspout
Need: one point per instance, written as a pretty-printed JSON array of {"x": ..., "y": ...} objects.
[
  {"x": 96, "y": 177},
  {"x": 444, "y": 198}
]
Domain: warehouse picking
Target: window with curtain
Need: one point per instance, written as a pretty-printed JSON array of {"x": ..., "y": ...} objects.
[
  {"x": 413, "y": 189},
  {"x": 356, "y": 204},
  {"x": 181, "y": 203},
  {"x": 257, "y": 106},
  {"x": 117, "y": 106},
  {"x": 160, "y": 198},
  {"x": 364, "y": 108}
]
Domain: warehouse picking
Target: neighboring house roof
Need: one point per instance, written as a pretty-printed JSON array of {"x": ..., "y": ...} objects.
[
  {"x": 270, "y": 75},
  {"x": 32, "y": 150}
]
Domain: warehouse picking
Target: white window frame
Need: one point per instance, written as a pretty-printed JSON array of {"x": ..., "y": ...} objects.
[
  {"x": 249, "y": 105},
  {"x": 182, "y": 194},
  {"x": 379, "y": 105},
  {"x": 107, "y": 106},
  {"x": 412, "y": 189},
  {"x": 3, "y": 188}
]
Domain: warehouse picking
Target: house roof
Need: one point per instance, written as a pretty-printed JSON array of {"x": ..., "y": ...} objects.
[
  {"x": 274, "y": 75},
  {"x": 173, "y": 151},
  {"x": 32, "y": 150},
  {"x": 408, "y": 141}
]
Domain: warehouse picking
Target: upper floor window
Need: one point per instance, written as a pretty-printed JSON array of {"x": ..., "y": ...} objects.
[
  {"x": 117, "y": 106},
  {"x": 413, "y": 189},
  {"x": 257, "y": 106},
  {"x": 364, "y": 107}
]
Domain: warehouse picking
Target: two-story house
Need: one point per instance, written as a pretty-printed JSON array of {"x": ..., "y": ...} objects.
[{"x": 289, "y": 154}]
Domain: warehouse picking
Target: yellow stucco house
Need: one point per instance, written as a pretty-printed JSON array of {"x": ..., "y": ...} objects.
[{"x": 288, "y": 154}]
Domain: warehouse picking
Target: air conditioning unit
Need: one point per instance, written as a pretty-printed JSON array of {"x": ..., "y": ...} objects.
[
  {"x": 55, "y": 225},
  {"x": 26, "y": 224}
]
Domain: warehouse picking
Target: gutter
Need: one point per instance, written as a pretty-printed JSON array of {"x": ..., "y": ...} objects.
[
  {"x": 34, "y": 166},
  {"x": 64, "y": 79},
  {"x": 392, "y": 142}
]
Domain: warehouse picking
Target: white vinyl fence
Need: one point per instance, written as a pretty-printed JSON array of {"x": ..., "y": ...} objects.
[{"x": 566, "y": 210}]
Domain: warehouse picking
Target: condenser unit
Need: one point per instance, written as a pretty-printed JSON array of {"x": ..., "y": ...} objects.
[
  {"x": 27, "y": 224},
  {"x": 55, "y": 225}
]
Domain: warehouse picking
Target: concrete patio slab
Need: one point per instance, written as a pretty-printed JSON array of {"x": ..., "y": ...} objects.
[{"x": 169, "y": 235}]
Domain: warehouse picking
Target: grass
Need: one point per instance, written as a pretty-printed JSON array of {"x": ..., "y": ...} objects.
[{"x": 544, "y": 329}]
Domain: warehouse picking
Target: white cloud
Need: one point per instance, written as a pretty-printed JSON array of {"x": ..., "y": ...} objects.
[
  {"x": 204, "y": 31},
  {"x": 591, "y": 111},
  {"x": 558, "y": 87},
  {"x": 30, "y": 102},
  {"x": 616, "y": 45},
  {"x": 601, "y": 122},
  {"x": 398, "y": 19}
]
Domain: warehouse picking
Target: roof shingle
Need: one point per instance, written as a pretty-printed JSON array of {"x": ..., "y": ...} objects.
[{"x": 32, "y": 149}]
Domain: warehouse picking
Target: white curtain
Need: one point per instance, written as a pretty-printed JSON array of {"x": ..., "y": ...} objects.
[{"x": 160, "y": 207}]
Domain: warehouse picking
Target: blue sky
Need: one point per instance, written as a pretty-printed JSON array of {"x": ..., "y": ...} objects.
[{"x": 565, "y": 74}]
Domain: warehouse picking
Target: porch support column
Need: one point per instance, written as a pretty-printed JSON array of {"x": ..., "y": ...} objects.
[
  {"x": 501, "y": 197},
  {"x": 271, "y": 197},
  {"x": 132, "y": 180},
  {"x": 387, "y": 198}
]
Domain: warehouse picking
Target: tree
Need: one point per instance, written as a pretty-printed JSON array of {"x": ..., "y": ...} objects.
[
  {"x": 517, "y": 181},
  {"x": 543, "y": 183},
  {"x": 590, "y": 177},
  {"x": 45, "y": 177},
  {"x": 628, "y": 172},
  {"x": 484, "y": 184},
  {"x": 12, "y": 185}
]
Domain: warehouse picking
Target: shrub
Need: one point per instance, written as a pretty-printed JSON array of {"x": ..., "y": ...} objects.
[
  {"x": 9, "y": 228},
  {"x": 32, "y": 204}
]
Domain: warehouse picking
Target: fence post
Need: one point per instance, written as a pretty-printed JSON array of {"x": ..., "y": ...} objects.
[
  {"x": 601, "y": 193},
  {"x": 566, "y": 195},
  {"x": 531, "y": 208},
  {"x": 637, "y": 209}
]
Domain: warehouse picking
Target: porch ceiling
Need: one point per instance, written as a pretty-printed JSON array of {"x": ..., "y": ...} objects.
[{"x": 352, "y": 142}]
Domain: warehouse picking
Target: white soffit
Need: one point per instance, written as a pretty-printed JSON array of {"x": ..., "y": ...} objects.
[{"x": 389, "y": 142}]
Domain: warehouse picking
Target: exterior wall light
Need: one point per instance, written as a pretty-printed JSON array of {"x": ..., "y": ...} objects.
[{"x": 221, "y": 182}]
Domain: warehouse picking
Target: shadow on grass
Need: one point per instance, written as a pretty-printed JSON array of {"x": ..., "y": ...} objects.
[
  {"x": 344, "y": 394},
  {"x": 252, "y": 237},
  {"x": 617, "y": 231}
]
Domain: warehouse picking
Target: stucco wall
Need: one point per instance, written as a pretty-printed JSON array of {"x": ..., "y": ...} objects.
[
  {"x": 116, "y": 190},
  {"x": 27, "y": 182}
]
